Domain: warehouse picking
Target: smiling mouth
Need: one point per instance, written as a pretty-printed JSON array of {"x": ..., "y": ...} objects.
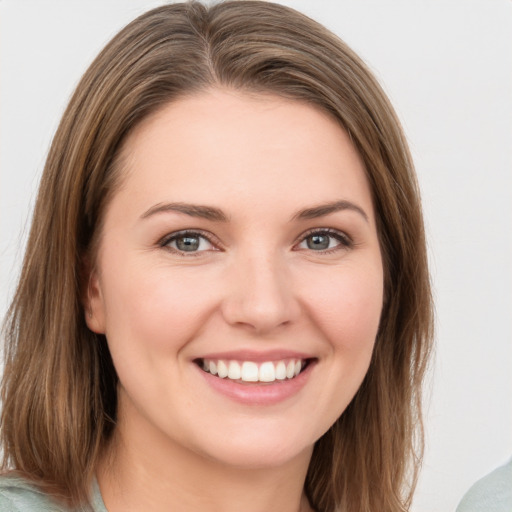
[{"x": 250, "y": 371}]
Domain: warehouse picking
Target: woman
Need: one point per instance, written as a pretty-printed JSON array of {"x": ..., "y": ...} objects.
[{"x": 225, "y": 301}]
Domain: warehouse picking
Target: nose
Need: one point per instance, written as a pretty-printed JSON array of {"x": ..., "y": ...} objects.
[{"x": 260, "y": 295}]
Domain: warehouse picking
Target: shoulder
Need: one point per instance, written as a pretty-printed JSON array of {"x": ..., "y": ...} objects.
[
  {"x": 19, "y": 495},
  {"x": 493, "y": 493}
]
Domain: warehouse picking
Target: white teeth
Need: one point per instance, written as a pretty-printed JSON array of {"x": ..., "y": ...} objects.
[
  {"x": 222, "y": 369},
  {"x": 290, "y": 369},
  {"x": 234, "y": 372},
  {"x": 249, "y": 371},
  {"x": 267, "y": 372},
  {"x": 280, "y": 371}
]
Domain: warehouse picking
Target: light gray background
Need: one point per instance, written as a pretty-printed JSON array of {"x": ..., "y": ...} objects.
[{"x": 447, "y": 67}]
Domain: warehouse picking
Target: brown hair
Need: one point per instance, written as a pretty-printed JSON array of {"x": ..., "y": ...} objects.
[{"x": 59, "y": 384}]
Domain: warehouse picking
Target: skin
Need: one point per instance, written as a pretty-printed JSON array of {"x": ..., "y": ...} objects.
[{"x": 256, "y": 286}]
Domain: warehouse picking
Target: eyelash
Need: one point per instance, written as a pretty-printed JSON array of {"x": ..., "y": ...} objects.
[
  {"x": 345, "y": 242},
  {"x": 164, "y": 242}
]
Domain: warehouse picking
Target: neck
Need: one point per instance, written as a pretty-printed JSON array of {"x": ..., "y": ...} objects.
[{"x": 140, "y": 472}]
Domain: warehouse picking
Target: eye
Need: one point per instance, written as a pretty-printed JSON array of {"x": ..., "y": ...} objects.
[
  {"x": 187, "y": 242},
  {"x": 324, "y": 240}
]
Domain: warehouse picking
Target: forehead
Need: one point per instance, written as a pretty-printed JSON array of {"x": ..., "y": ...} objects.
[{"x": 241, "y": 147}]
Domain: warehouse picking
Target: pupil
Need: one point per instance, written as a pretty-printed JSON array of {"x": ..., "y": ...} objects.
[
  {"x": 318, "y": 242},
  {"x": 187, "y": 243}
]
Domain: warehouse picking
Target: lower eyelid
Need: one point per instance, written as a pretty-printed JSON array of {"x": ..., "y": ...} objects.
[
  {"x": 344, "y": 241},
  {"x": 172, "y": 237},
  {"x": 342, "y": 238}
]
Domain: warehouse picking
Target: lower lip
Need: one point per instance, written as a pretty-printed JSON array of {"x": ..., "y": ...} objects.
[{"x": 258, "y": 393}]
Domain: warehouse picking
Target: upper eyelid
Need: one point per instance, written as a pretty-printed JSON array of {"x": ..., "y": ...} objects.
[
  {"x": 214, "y": 240},
  {"x": 184, "y": 232},
  {"x": 328, "y": 231}
]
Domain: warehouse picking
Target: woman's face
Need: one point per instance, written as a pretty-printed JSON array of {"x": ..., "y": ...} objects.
[{"x": 242, "y": 241}]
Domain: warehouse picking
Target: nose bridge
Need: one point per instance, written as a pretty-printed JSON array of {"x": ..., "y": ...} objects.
[{"x": 261, "y": 292}]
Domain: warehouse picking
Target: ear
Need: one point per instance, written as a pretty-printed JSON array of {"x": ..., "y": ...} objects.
[{"x": 94, "y": 304}]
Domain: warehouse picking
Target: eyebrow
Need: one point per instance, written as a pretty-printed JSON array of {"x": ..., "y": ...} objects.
[
  {"x": 328, "y": 208},
  {"x": 216, "y": 214},
  {"x": 193, "y": 210}
]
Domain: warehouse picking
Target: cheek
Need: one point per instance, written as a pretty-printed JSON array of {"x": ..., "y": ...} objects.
[
  {"x": 348, "y": 307},
  {"x": 345, "y": 308},
  {"x": 156, "y": 307}
]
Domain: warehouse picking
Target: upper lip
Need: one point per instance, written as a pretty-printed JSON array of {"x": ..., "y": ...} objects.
[{"x": 257, "y": 356}]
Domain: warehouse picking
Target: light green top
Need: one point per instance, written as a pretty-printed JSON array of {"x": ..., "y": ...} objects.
[
  {"x": 19, "y": 495},
  {"x": 493, "y": 493}
]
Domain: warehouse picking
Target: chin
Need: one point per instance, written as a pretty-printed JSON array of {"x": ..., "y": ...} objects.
[
  {"x": 260, "y": 449},
  {"x": 257, "y": 457}
]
